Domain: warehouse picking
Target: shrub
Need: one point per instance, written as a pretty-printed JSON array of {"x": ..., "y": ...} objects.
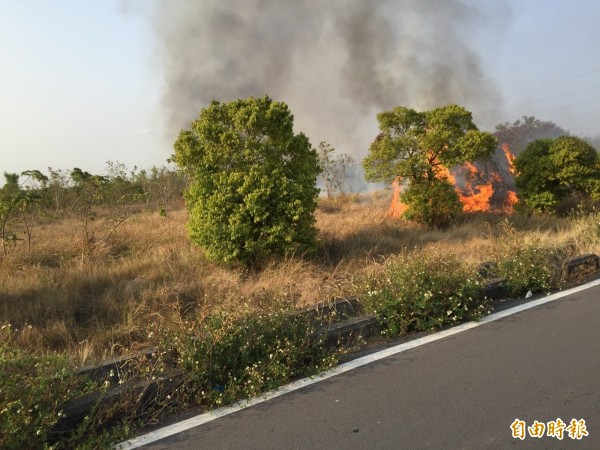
[
  {"x": 422, "y": 291},
  {"x": 520, "y": 259},
  {"x": 252, "y": 191},
  {"x": 435, "y": 203},
  {"x": 229, "y": 356},
  {"x": 527, "y": 269},
  {"x": 549, "y": 171}
]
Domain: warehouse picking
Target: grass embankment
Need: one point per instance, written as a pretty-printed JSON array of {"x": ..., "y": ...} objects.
[{"x": 88, "y": 291}]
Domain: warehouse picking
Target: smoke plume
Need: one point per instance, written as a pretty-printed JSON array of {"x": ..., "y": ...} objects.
[{"x": 335, "y": 63}]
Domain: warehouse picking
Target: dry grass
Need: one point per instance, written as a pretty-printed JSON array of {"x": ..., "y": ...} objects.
[{"x": 93, "y": 290}]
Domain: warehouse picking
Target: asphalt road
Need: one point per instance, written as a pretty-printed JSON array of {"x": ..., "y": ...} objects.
[{"x": 460, "y": 392}]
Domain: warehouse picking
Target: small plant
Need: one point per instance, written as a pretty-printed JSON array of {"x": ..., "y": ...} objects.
[
  {"x": 32, "y": 388},
  {"x": 422, "y": 291},
  {"x": 527, "y": 269},
  {"x": 522, "y": 261},
  {"x": 230, "y": 356}
]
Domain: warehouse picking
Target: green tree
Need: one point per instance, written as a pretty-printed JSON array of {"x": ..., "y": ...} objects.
[
  {"x": 549, "y": 170},
  {"x": 10, "y": 200},
  {"x": 416, "y": 147},
  {"x": 252, "y": 181},
  {"x": 37, "y": 177},
  {"x": 11, "y": 184},
  {"x": 15, "y": 202}
]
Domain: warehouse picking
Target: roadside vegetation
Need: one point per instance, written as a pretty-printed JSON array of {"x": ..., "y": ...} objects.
[
  {"x": 94, "y": 266},
  {"x": 147, "y": 285},
  {"x": 96, "y": 300}
]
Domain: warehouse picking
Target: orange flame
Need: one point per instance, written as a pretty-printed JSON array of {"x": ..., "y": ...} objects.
[
  {"x": 477, "y": 198},
  {"x": 472, "y": 169},
  {"x": 479, "y": 187},
  {"x": 511, "y": 201},
  {"x": 443, "y": 172},
  {"x": 397, "y": 208},
  {"x": 510, "y": 158}
]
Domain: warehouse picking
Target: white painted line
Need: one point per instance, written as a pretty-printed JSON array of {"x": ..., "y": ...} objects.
[{"x": 220, "y": 412}]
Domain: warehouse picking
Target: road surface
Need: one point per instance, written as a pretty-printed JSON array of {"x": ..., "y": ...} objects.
[{"x": 460, "y": 392}]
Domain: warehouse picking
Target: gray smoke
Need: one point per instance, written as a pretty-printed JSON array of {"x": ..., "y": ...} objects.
[{"x": 335, "y": 63}]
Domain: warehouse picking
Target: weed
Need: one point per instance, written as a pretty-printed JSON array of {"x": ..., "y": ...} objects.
[
  {"x": 32, "y": 389},
  {"x": 422, "y": 291},
  {"x": 229, "y": 356},
  {"x": 521, "y": 259}
]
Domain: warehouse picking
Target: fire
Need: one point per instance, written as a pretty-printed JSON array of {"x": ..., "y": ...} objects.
[
  {"x": 509, "y": 157},
  {"x": 481, "y": 186},
  {"x": 471, "y": 168},
  {"x": 477, "y": 198},
  {"x": 511, "y": 201},
  {"x": 397, "y": 208},
  {"x": 443, "y": 172}
]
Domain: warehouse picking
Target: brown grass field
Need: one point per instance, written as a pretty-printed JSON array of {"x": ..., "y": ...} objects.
[{"x": 92, "y": 290}]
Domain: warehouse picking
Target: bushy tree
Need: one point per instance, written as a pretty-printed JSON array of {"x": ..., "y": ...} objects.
[
  {"x": 416, "y": 147},
  {"x": 252, "y": 181},
  {"x": 549, "y": 170}
]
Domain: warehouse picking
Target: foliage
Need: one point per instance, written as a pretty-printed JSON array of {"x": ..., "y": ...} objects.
[
  {"x": 252, "y": 191},
  {"x": 577, "y": 165},
  {"x": 535, "y": 176},
  {"x": 528, "y": 268},
  {"x": 11, "y": 183},
  {"x": 15, "y": 203},
  {"x": 67, "y": 192},
  {"x": 36, "y": 176},
  {"x": 435, "y": 203},
  {"x": 525, "y": 130},
  {"x": 522, "y": 261},
  {"x": 422, "y": 291},
  {"x": 108, "y": 302},
  {"x": 33, "y": 197},
  {"x": 416, "y": 146},
  {"x": 550, "y": 170},
  {"x": 336, "y": 169},
  {"x": 32, "y": 388},
  {"x": 229, "y": 356},
  {"x": 8, "y": 205}
]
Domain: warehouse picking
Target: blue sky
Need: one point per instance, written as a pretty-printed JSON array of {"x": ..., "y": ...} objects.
[
  {"x": 80, "y": 82},
  {"x": 77, "y": 86}
]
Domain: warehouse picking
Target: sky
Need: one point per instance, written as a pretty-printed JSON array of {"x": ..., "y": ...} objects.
[{"x": 86, "y": 82}]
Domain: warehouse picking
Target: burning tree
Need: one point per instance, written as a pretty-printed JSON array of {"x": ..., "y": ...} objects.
[{"x": 415, "y": 149}]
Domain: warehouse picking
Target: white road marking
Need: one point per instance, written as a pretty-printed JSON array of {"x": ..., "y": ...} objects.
[{"x": 184, "y": 425}]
